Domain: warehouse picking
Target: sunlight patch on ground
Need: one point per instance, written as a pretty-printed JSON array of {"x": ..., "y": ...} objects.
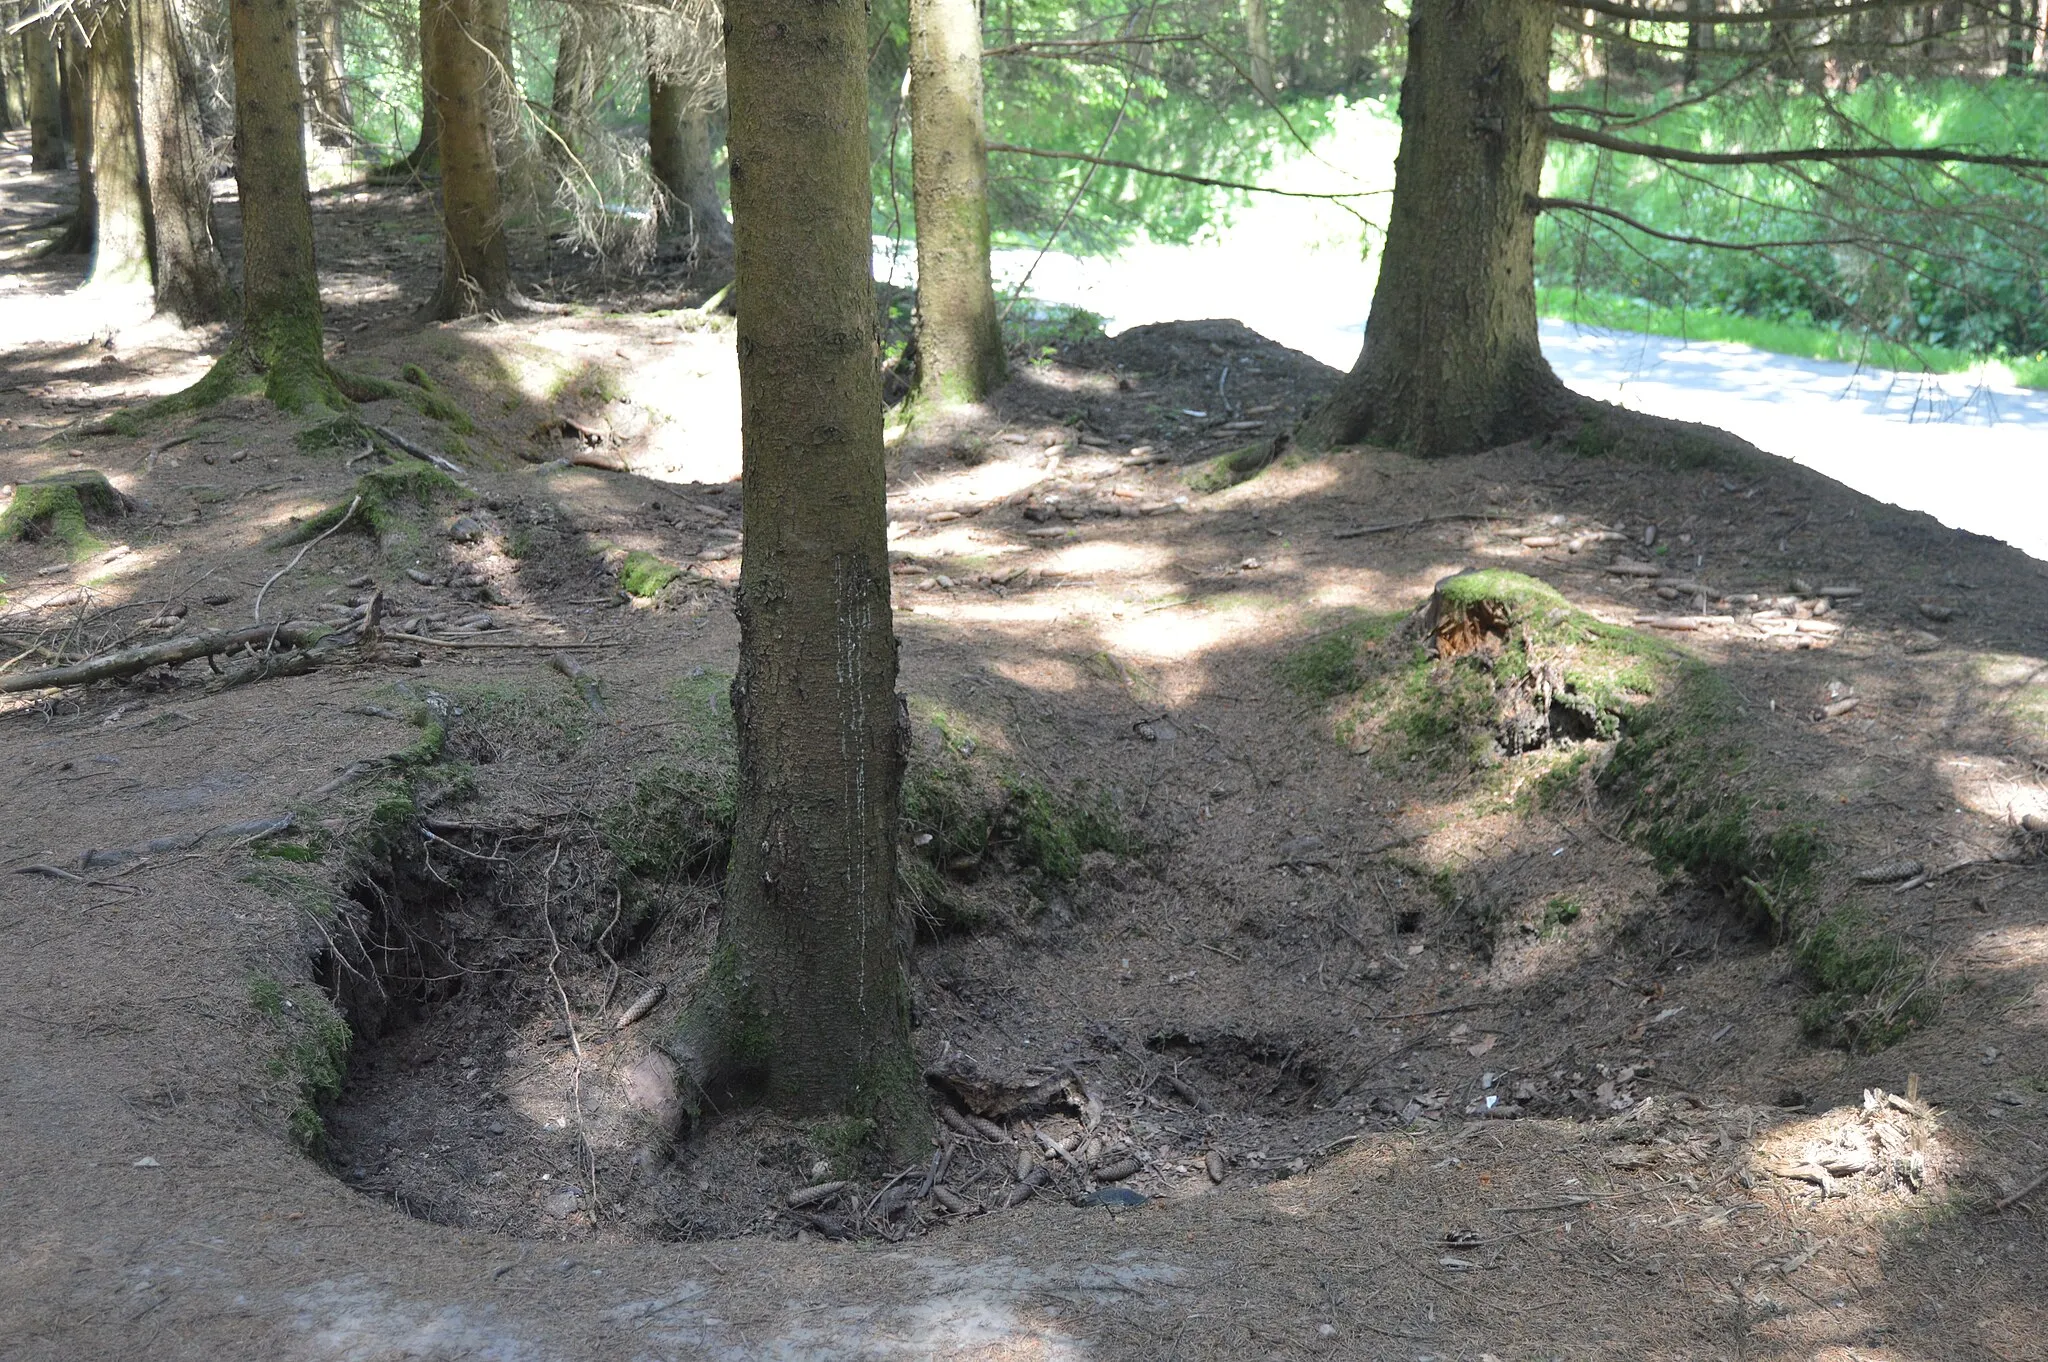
[
  {"x": 1106, "y": 556},
  {"x": 1178, "y": 636},
  {"x": 1997, "y": 787}
]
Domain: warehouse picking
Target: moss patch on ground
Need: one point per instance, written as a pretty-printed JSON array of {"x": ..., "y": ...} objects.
[
  {"x": 644, "y": 574},
  {"x": 971, "y": 812},
  {"x": 384, "y": 501},
  {"x": 674, "y": 826},
  {"x": 62, "y": 507},
  {"x": 1502, "y": 665},
  {"x": 312, "y": 1056},
  {"x": 1229, "y": 469}
]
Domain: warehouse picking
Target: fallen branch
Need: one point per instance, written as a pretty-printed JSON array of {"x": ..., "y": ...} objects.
[
  {"x": 397, "y": 441},
  {"x": 1181, "y": 175},
  {"x": 2023, "y": 1193},
  {"x": 295, "y": 634},
  {"x": 484, "y": 643},
  {"x": 1360, "y": 531},
  {"x": 346, "y": 516}
]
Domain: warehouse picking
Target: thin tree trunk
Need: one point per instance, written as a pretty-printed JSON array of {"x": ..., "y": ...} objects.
[
  {"x": 1364, "y": 25},
  {"x": 1698, "y": 37},
  {"x": 326, "y": 76},
  {"x": 1258, "y": 41},
  {"x": 281, "y": 333},
  {"x": 120, "y": 248},
  {"x": 77, "y": 237},
  {"x": 959, "y": 340},
  {"x": 1451, "y": 361},
  {"x": 47, "y": 150},
  {"x": 425, "y": 156},
  {"x": 13, "y": 107},
  {"x": 2019, "y": 37},
  {"x": 807, "y": 1001},
  {"x": 679, "y": 155},
  {"x": 476, "y": 266},
  {"x": 575, "y": 90},
  {"x": 191, "y": 278}
]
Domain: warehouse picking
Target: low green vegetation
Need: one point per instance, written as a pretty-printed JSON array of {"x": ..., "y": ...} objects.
[
  {"x": 644, "y": 574},
  {"x": 1229, "y": 469},
  {"x": 312, "y": 1058},
  {"x": 1505, "y": 666},
  {"x": 1914, "y": 256},
  {"x": 1805, "y": 339},
  {"x": 674, "y": 826}
]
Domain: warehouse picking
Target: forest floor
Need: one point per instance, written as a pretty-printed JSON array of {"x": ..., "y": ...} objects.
[{"x": 1416, "y": 1055}]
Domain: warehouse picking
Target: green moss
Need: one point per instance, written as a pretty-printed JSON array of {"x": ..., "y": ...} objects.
[
  {"x": 1229, "y": 469},
  {"x": 1518, "y": 666},
  {"x": 59, "y": 507},
  {"x": 266, "y": 995},
  {"x": 1870, "y": 989},
  {"x": 124, "y": 423},
  {"x": 1053, "y": 832},
  {"x": 342, "y": 432},
  {"x": 382, "y": 498},
  {"x": 287, "y": 851},
  {"x": 1560, "y": 913},
  {"x": 1327, "y": 666},
  {"x": 644, "y": 574},
  {"x": 312, "y": 1055},
  {"x": 677, "y": 822},
  {"x": 306, "y": 892}
]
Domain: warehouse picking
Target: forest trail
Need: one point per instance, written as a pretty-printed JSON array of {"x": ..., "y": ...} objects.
[{"x": 1485, "y": 1081}]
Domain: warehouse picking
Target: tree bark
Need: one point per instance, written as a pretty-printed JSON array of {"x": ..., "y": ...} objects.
[
  {"x": 13, "y": 107},
  {"x": 191, "y": 277},
  {"x": 679, "y": 155},
  {"x": 575, "y": 90},
  {"x": 1258, "y": 41},
  {"x": 807, "y": 1000},
  {"x": 77, "y": 237},
  {"x": 1364, "y": 26},
  {"x": 120, "y": 248},
  {"x": 326, "y": 77},
  {"x": 1451, "y": 361},
  {"x": 959, "y": 339},
  {"x": 47, "y": 149},
  {"x": 281, "y": 332},
  {"x": 476, "y": 266}
]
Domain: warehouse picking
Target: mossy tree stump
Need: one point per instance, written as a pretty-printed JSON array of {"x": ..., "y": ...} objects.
[{"x": 62, "y": 507}]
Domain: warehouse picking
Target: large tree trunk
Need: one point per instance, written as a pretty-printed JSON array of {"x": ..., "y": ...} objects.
[
  {"x": 476, "y": 266},
  {"x": 1451, "y": 361},
  {"x": 807, "y": 1001},
  {"x": 326, "y": 77},
  {"x": 120, "y": 248},
  {"x": 959, "y": 341},
  {"x": 47, "y": 150},
  {"x": 191, "y": 278},
  {"x": 575, "y": 90},
  {"x": 77, "y": 237},
  {"x": 679, "y": 155},
  {"x": 281, "y": 334}
]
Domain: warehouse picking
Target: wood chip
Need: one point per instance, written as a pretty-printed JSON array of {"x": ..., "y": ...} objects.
[
  {"x": 1835, "y": 709},
  {"x": 1213, "y": 1164},
  {"x": 1626, "y": 568}
]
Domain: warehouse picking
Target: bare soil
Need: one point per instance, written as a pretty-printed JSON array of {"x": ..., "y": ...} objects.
[{"x": 1453, "y": 1119}]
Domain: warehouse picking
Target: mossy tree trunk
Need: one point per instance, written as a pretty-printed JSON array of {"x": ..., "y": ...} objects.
[
  {"x": 808, "y": 998},
  {"x": 1451, "y": 361},
  {"x": 281, "y": 333},
  {"x": 326, "y": 76},
  {"x": 476, "y": 266},
  {"x": 959, "y": 339},
  {"x": 47, "y": 148},
  {"x": 120, "y": 248},
  {"x": 679, "y": 155},
  {"x": 191, "y": 278},
  {"x": 76, "y": 75}
]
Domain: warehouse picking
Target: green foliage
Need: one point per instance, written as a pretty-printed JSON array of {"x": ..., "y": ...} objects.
[
  {"x": 57, "y": 507},
  {"x": 1053, "y": 832},
  {"x": 1942, "y": 261},
  {"x": 1560, "y": 913},
  {"x": 1327, "y": 667},
  {"x": 644, "y": 574}
]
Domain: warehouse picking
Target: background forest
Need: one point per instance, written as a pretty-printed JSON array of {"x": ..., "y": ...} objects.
[{"x": 609, "y": 121}]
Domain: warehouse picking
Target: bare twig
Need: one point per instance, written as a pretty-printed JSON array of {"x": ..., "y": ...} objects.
[
  {"x": 1181, "y": 175},
  {"x": 1359, "y": 531},
  {"x": 346, "y": 516},
  {"x": 2023, "y": 1193}
]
